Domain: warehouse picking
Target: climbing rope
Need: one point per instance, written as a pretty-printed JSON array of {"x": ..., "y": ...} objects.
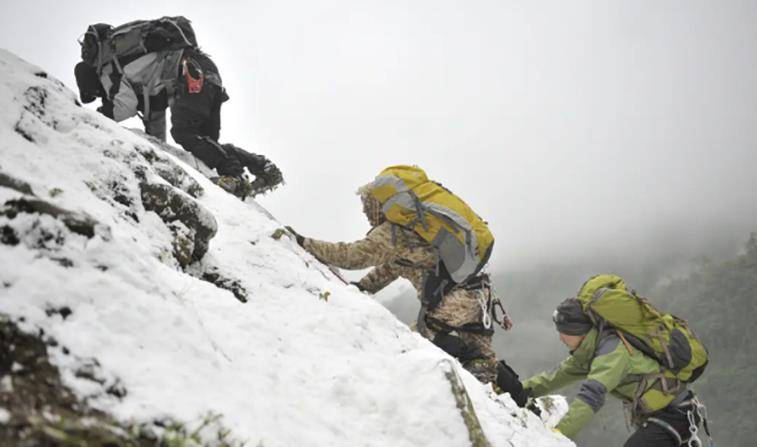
[{"x": 484, "y": 302}]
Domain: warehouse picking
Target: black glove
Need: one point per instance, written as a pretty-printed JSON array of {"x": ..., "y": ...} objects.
[
  {"x": 531, "y": 405},
  {"x": 106, "y": 108},
  {"x": 297, "y": 236},
  {"x": 88, "y": 83},
  {"x": 507, "y": 381}
]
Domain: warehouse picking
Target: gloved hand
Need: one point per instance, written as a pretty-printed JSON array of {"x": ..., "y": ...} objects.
[
  {"x": 297, "y": 236},
  {"x": 508, "y": 382},
  {"x": 106, "y": 108},
  {"x": 531, "y": 405}
]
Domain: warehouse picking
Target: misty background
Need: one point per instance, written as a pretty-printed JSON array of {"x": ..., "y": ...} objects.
[{"x": 593, "y": 136}]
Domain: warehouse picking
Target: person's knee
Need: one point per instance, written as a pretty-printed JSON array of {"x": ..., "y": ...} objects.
[
  {"x": 456, "y": 347},
  {"x": 182, "y": 135}
]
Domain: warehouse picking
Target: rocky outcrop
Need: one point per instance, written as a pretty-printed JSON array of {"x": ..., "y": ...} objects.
[
  {"x": 38, "y": 409},
  {"x": 191, "y": 225}
]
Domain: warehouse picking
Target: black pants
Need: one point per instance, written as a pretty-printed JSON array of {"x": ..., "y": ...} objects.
[
  {"x": 196, "y": 122},
  {"x": 653, "y": 435}
]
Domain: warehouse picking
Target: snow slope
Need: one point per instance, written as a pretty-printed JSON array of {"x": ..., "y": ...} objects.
[{"x": 306, "y": 361}]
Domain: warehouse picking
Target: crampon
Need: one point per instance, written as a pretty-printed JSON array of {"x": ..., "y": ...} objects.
[{"x": 267, "y": 179}]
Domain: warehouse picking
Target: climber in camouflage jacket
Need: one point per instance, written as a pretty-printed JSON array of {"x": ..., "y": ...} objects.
[{"x": 394, "y": 251}]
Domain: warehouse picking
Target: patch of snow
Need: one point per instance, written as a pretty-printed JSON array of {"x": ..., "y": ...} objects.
[
  {"x": 5, "y": 416},
  {"x": 285, "y": 368},
  {"x": 553, "y": 408}
]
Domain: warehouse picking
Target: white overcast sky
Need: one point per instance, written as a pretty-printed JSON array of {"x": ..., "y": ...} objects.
[{"x": 573, "y": 127}]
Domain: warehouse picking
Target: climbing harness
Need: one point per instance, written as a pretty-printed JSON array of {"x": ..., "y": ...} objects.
[
  {"x": 440, "y": 326},
  {"x": 694, "y": 410},
  {"x": 494, "y": 302},
  {"x": 669, "y": 428},
  {"x": 489, "y": 302}
]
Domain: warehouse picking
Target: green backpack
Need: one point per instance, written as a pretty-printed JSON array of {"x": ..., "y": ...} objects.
[{"x": 665, "y": 337}]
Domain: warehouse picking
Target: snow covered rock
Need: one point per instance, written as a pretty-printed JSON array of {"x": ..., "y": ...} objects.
[{"x": 155, "y": 300}]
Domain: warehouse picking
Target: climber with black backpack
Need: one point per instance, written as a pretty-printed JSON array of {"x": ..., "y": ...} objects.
[
  {"x": 621, "y": 344},
  {"x": 424, "y": 233},
  {"x": 145, "y": 66}
]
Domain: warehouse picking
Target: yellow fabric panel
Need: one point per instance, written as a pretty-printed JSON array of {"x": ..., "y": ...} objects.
[
  {"x": 396, "y": 179},
  {"x": 636, "y": 316},
  {"x": 655, "y": 399}
]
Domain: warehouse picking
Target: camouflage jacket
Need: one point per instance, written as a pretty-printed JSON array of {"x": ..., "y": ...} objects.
[{"x": 392, "y": 250}]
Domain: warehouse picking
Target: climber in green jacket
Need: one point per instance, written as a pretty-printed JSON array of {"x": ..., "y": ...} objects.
[{"x": 606, "y": 363}]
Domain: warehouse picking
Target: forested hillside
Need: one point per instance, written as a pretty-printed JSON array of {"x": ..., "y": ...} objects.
[{"x": 720, "y": 301}]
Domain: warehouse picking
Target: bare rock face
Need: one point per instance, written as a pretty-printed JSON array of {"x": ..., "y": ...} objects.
[
  {"x": 76, "y": 222},
  {"x": 215, "y": 277},
  {"x": 40, "y": 224},
  {"x": 15, "y": 184},
  {"x": 192, "y": 226},
  {"x": 167, "y": 169}
]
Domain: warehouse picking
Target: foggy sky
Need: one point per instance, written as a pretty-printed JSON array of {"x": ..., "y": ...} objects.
[{"x": 572, "y": 127}]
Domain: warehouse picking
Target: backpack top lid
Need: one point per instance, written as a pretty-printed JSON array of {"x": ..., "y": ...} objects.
[
  {"x": 103, "y": 43},
  {"x": 408, "y": 198},
  {"x": 92, "y": 42},
  {"x": 608, "y": 297}
]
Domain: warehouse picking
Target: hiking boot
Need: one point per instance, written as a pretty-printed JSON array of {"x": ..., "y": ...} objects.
[
  {"x": 236, "y": 185},
  {"x": 266, "y": 179}
]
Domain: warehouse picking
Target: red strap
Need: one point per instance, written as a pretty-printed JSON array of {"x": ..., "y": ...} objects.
[{"x": 194, "y": 85}]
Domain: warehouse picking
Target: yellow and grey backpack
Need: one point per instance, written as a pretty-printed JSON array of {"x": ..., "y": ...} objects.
[
  {"x": 462, "y": 239},
  {"x": 664, "y": 337}
]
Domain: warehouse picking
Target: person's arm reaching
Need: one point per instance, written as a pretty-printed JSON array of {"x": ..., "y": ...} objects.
[
  {"x": 368, "y": 252},
  {"x": 607, "y": 371}
]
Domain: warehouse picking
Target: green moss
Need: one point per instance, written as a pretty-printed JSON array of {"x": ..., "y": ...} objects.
[{"x": 278, "y": 233}]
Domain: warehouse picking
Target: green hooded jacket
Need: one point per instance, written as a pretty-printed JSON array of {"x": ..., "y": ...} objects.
[{"x": 606, "y": 365}]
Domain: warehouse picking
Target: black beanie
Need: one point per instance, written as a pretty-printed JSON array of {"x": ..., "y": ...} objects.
[{"x": 570, "y": 318}]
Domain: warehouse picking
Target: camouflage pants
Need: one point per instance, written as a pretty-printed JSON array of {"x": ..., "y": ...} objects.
[{"x": 456, "y": 309}]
